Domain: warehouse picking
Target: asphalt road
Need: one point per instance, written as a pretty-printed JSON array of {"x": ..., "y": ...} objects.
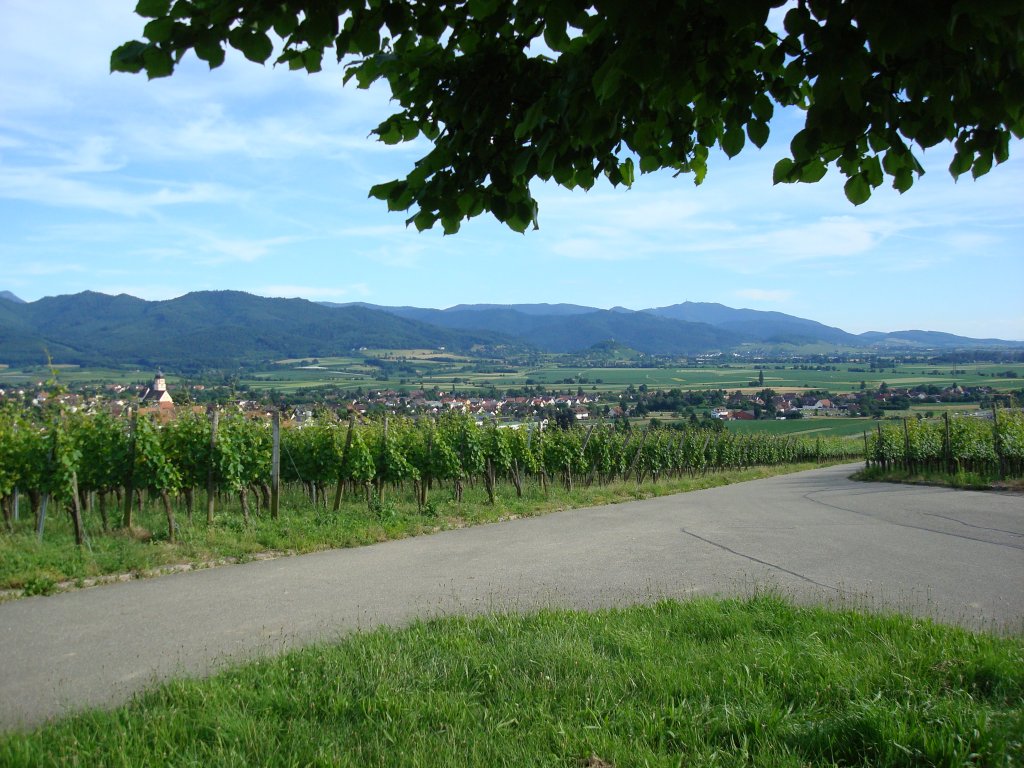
[{"x": 956, "y": 556}]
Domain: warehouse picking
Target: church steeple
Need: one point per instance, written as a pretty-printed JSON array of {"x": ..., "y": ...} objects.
[{"x": 157, "y": 393}]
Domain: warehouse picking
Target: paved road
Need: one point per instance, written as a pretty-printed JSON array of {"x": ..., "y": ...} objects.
[{"x": 953, "y": 555}]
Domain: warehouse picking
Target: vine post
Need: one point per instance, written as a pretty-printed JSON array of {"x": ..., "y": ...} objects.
[
  {"x": 275, "y": 467},
  {"x": 906, "y": 445},
  {"x": 947, "y": 445},
  {"x": 211, "y": 477},
  {"x": 76, "y": 511},
  {"x": 129, "y": 486},
  {"x": 340, "y": 492},
  {"x": 997, "y": 443},
  {"x": 41, "y": 522}
]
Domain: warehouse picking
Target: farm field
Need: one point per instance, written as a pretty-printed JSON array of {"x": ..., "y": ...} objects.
[
  {"x": 414, "y": 369},
  {"x": 74, "y": 374},
  {"x": 464, "y": 373},
  {"x": 827, "y": 426}
]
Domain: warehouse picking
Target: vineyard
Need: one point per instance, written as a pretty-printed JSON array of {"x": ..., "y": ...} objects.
[
  {"x": 985, "y": 447},
  {"x": 107, "y": 467}
]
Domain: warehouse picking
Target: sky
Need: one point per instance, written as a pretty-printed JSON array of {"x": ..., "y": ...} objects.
[{"x": 255, "y": 178}]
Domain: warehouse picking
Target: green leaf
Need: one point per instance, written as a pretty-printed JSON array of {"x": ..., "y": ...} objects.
[
  {"x": 555, "y": 37},
  {"x": 422, "y": 220},
  {"x": 210, "y": 51},
  {"x": 758, "y": 132},
  {"x": 699, "y": 166},
  {"x": 383, "y": 191},
  {"x": 450, "y": 224},
  {"x": 128, "y": 57},
  {"x": 962, "y": 162},
  {"x": 783, "y": 171},
  {"x": 628, "y": 172},
  {"x": 312, "y": 59},
  {"x": 857, "y": 189},
  {"x": 159, "y": 30},
  {"x": 649, "y": 164},
  {"x": 466, "y": 201},
  {"x": 903, "y": 180},
  {"x": 763, "y": 108},
  {"x": 254, "y": 45},
  {"x": 158, "y": 62},
  {"x": 812, "y": 171},
  {"x": 481, "y": 9},
  {"x": 732, "y": 140},
  {"x": 606, "y": 80},
  {"x": 893, "y": 162},
  {"x": 366, "y": 38},
  {"x": 872, "y": 170},
  {"x": 797, "y": 20},
  {"x": 982, "y": 164},
  {"x": 152, "y": 8},
  {"x": 389, "y": 132}
]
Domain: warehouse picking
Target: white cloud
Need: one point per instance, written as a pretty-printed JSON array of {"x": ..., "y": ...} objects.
[
  {"x": 223, "y": 250},
  {"x": 596, "y": 249},
  {"x": 61, "y": 187}
]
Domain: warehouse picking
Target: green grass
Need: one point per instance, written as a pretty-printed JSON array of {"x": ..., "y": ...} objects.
[
  {"x": 702, "y": 683},
  {"x": 965, "y": 480},
  {"x": 37, "y": 567}
]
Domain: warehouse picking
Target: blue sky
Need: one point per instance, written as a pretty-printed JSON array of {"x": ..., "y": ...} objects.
[{"x": 254, "y": 178}]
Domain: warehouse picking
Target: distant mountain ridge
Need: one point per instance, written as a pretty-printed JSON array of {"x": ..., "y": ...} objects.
[
  {"x": 706, "y": 327},
  {"x": 224, "y": 329},
  {"x": 11, "y": 297}
]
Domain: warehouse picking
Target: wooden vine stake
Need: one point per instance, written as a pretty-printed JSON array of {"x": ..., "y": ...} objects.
[
  {"x": 275, "y": 467},
  {"x": 340, "y": 492},
  {"x": 211, "y": 477},
  {"x": 129, "y": 486}
]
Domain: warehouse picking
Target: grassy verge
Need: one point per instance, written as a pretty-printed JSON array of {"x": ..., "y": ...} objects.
[
  {"x": 30, "y": 566},
  {"x": 973, "y": 481},
  {"x": 753, "y": 683}
]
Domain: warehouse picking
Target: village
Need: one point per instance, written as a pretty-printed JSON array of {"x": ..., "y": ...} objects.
[{"x": 156, "y": 399}]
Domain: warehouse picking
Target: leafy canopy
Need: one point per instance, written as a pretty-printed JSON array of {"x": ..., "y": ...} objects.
[{"x": 511, "y": 90}]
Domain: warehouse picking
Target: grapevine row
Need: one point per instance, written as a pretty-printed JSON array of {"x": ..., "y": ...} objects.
[
  {"x": 990, "y": 447},
  {"x": 77, "y": 456}
]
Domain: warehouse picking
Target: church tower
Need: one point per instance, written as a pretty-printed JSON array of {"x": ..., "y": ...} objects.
[{"x": 157, "y": 394}]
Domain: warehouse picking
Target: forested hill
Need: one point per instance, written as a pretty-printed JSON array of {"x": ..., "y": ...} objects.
[
  {"x": 686, "y": 328},
  {"x": 205, "y": 329},
  {"x": 223, "y": 329}
]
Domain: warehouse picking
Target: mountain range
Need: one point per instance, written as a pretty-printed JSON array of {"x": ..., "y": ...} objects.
[{"x": 224, "y": 329}]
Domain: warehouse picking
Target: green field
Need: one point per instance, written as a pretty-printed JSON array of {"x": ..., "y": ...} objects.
[
  {"x": 73, "y": 374},
  {"x": 461, "y": 374},
  {"x": 413, "y": 369},
  {"x": 825, "y": 426}
]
